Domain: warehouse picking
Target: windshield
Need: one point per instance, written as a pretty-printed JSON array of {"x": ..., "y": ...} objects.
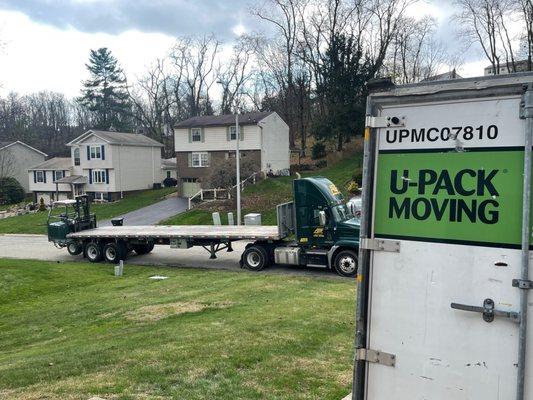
[{"x": 341, "y": 213}]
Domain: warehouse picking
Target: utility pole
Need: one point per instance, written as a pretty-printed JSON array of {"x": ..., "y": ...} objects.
[{"x": 238, "y": 164}]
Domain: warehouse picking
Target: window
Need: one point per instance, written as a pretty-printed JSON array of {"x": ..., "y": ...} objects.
[
  {"x": 96, "y": 152},
  {"x": 77, "y": 156},
  {"x": 196, "y": 135},
  {"x": 231, "y": 154},
  {"x": 232, "y": 132},
  {"x": 189, "y": 180},
  {"x": 169, "y": 174},
  {"x": 98, "y": 175},
  {"x": 39, "y": 176},
  {"x": 58, "y": 175},
  {"x": 199, "y": 160},
  {"x": 98, "y": 196}
]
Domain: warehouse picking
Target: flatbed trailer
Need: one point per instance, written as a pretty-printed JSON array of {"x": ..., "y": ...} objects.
[
  {"x": 212, "y": 238},
  {"x": 315, "y": 230}
]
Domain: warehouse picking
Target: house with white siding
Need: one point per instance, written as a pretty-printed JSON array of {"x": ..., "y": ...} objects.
[
  {"x": 103, "y": 164},
  {"x": 206, "y": 141},
  {"x": 15, "y": 159}
]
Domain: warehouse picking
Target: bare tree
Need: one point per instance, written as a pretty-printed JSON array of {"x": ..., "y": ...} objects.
[
  {"x": 234, "y": 75},
  {"x": 195, "y": 61},
  {"x": 485, "y": 22},
  {"x": 525, "y": 10}
]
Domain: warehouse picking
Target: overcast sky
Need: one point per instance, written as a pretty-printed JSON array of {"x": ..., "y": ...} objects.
[{"x": 48, "y": 41}]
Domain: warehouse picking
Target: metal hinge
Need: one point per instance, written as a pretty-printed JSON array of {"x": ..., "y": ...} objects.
[
  {"x": 375, "y": 356},
  {"x": 522, "y": 284},
  {"x": 380, "y": 245},
  {"x": 384, "y": 122}
]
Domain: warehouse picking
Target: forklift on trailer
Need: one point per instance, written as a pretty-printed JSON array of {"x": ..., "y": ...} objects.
[{"x": 317, "y": 230}]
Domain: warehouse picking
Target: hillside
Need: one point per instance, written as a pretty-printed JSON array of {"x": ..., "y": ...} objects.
[{"x": 263, "y": 197}]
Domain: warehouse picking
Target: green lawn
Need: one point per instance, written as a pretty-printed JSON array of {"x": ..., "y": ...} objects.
[
  {"x": 73, "y": 330},
  {"x": 36, "y": 223},
  {"x": 264, "y": 196}
]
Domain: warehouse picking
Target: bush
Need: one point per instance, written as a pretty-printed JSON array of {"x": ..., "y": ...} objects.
[
  {"x": 353, "y": 188},
  {"x": 358, "y": 176},
  {"x": 11, "y": 192},
  {"x": 322, "y": 164},
  {"x": 223, "y": 174},
  {"x": 318, "y": 150},
  {"x": 170, "y": 182},
  {"x": 42, "y": 206}
]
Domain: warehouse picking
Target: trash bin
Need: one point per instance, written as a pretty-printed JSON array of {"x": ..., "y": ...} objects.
[{"x": 117, "y": 221}]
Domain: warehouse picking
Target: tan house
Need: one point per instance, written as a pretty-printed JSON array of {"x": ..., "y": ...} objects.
[
  {"x": 15, "y": 159},
  {"x": 103, "y": 164},
  {"x": 207, "y": 141}
]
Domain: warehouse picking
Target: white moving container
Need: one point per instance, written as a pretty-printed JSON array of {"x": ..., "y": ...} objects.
[{"x": 445, "y": 243}]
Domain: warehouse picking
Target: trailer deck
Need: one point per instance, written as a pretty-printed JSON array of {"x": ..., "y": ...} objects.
[{"x": 231, "y": 233}]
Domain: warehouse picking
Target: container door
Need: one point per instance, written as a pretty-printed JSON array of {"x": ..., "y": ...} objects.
[{"x": 448, "y": 188}]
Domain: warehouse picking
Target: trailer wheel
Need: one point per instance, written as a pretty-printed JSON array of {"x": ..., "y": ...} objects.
[
  {"x": 255, "y": 258},
  {"x": 93, "y": 252},
  {"x": 144, "y": 248},
  {"x": 346, "y": 263},
  {"x": 114, "y": 252},
  {"x": 74, "y": 248}
]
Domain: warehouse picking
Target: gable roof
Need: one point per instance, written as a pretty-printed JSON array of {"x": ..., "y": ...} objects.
[
  {"x": 122, "y": 138},
  {"x": 5, "y": 144},
  {"x": 56, "y": 163},
  {"x": 223, "y": 120}
]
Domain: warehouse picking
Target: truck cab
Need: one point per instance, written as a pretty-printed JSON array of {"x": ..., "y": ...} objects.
[{"x": 325, "y": 233}]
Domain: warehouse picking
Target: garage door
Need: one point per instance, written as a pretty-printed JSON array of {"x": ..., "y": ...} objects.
[{"x": 189, "y": 189}]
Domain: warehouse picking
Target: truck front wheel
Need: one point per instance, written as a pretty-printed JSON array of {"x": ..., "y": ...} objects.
[
  {"x": 346, "y": 263},
  {"x": 255, "y": 258},
  {"x": 93, "y": 252}
]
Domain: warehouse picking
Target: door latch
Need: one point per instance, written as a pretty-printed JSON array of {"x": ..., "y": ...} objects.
[{"x": 488, "y": 311}]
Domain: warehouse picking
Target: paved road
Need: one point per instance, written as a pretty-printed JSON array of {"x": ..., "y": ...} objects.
[
  {"x": 154, "y": 213},
  {"x": 37, "y": 247}
]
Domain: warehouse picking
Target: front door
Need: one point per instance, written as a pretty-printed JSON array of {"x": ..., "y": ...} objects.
[{"x": 448, "y": 188}]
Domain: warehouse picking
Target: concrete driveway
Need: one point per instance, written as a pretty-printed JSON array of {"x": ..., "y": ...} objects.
[
  {"x": 152, "y": 214},
  {"x": 37, "y": 247}
]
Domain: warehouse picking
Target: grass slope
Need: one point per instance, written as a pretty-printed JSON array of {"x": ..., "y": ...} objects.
[
  {"x": 36, "y": 223},
  {"x": 268, "y": 193},
  {"x": 73, "y": 330}
]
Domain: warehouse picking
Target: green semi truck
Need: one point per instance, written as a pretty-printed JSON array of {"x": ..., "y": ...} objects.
[{"x": 316, "y": 230}]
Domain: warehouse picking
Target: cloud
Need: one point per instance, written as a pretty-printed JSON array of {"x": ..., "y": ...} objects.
[{"x": 171, "y": 17}]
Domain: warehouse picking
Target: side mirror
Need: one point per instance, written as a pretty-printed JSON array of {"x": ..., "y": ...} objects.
[{"x": 322, "y": 218}]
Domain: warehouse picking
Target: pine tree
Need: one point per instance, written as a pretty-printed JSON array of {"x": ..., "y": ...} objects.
[{"x": 105, "y": 93}]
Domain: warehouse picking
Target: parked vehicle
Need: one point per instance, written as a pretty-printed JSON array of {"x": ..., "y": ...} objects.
[
  {"x": 316, "y": 230},
  {"x": 442, "y": 297}
]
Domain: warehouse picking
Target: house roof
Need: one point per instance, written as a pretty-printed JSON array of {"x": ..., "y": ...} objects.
[
  {"x": 5, "y": 144},
  {"x": 223, "y": 120},
  {"x": 73, "y": 179},
  {"x": 122, "y": 138},
  {"x": 168, "y": 163},
  {"x": 56, "y": 163}
]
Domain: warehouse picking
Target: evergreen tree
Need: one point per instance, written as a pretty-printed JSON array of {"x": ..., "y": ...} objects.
[
  {"x": 105, "y": 93},
  {"x": 344, "y": 71}
]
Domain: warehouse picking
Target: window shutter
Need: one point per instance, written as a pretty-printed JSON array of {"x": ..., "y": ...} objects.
[
  {"x": 103, "y": 152},
  {"x": 88, "y": 152},
  {"x": 189, "y": 159},
  {"x": 90, "y": 176},
  {"x": 203, "y": 134},
  {"x": 228, "y": 133},
  {"x": 44, "y": 175},
  {"x": 241, "y": 132},
  {"x": 106, "y": 176},
  {"x": 190, "y": 135},
  {"x": 34, "y": 176}
]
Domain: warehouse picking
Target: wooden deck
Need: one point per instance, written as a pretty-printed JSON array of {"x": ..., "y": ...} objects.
[{"x": 183, "y": 231}]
